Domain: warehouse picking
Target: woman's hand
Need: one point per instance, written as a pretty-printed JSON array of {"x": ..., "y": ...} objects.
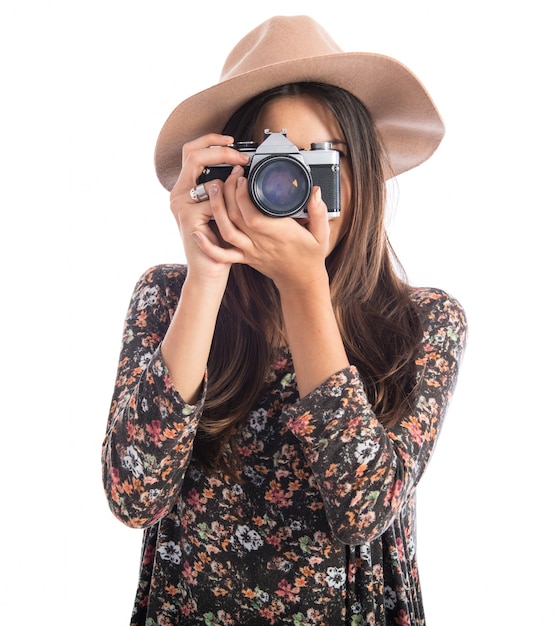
[
  {"x": 193, "y": 217},
  {"x": 228, "y": 229},
  {"x": 187, "y": 343},
  {"x": 291, "y": 252}
]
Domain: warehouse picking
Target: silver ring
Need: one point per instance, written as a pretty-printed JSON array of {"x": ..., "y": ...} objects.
[{"x": 198, "y": 193}]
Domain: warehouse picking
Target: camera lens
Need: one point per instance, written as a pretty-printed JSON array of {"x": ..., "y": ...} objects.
[{"x": 280, "y": 185}]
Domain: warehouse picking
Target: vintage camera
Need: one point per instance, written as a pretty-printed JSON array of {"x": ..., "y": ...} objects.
[{"x": 280, "y": 177}]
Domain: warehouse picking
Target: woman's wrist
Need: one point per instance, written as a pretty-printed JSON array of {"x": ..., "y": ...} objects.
[
  {"x": 304, "y": 285},
  {"x": 206, "y": 283}
]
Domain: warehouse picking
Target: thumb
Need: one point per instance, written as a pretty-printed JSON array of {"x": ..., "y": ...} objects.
[{"x": 318, "y": 220}]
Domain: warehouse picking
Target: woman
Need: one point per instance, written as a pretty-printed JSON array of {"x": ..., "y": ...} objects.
[{"x": 278, "y": 400}]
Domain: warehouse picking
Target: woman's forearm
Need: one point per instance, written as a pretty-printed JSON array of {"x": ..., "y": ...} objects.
[
  {"x": 186, "y": 345},
  {"x": 313, "y": 335}
]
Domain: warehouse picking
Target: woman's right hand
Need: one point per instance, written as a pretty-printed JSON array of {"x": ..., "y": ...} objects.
[
  {"x": 193, "y": 216},
  {"x": 187, "y": 343}
]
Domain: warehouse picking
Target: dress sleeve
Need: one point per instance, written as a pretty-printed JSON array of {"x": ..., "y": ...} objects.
[
  {"x": 366, "y": 472},
  {"x": 150, "y": 431}
]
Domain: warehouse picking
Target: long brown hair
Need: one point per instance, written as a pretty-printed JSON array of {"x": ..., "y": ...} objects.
[{"x": 369, "y": 291}]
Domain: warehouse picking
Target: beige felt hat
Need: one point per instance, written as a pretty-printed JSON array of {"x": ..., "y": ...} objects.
[{"x": 296, "y": 49}]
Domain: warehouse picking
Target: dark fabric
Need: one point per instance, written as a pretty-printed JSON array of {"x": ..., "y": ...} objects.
[{"x": 322, "y": 528}]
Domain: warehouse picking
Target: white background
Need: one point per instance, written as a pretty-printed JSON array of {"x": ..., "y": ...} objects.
[{"x": 86, "y": 88}]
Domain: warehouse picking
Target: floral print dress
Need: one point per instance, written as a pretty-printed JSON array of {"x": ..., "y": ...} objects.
[{"x": 321, "y": 530}]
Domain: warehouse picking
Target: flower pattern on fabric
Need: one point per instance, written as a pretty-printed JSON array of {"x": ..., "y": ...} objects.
[{"x": 321, "y": 530}]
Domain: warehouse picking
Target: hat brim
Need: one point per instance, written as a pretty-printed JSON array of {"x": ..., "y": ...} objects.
[{"x": 405, "y": 116}]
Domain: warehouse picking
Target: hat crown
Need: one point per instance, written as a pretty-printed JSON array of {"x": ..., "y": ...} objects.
[
  {"x": 277, "y": 40},
  {"x": 294, "y": 49}
]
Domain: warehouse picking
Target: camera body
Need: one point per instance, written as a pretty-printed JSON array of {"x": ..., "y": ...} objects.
[{"x": 280, "y": 177}]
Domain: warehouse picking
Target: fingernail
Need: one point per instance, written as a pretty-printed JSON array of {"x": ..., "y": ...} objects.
[
  {"x": 213, "y": 189},
  {"x": 237, "y": 168}
]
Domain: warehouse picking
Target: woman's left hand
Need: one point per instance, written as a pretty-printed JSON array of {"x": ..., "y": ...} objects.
[{"x": 290, "y": 252}]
